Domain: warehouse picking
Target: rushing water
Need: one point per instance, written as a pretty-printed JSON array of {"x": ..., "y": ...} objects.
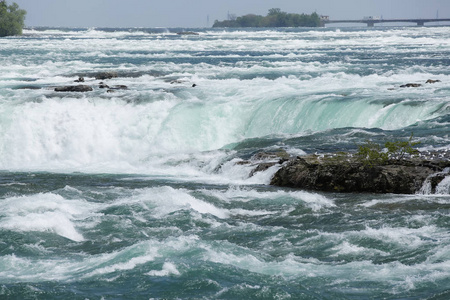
[{"x": 139, "y": 193}]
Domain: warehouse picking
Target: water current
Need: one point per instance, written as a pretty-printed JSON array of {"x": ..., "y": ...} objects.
[{"x": 139, "y": 193}]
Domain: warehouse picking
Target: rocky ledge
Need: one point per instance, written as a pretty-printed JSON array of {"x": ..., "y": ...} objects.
[
  {"x": 343, "y": 173},
  {"x": 74, "y": 88}
]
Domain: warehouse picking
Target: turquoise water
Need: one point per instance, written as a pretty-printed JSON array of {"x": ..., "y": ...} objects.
[{"x": 139, "y": 194}]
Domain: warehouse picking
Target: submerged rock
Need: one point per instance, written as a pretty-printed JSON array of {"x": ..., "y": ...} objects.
[
  {"x": 105, "y": 75},
  {"x": 118, "y": 87},
  {"x": 408, "y": 85},
  {"x": 28, "y": 87},
  {"x": 114, "y": 88},
  {"x": 345, "y": 174},
  {"x": 74, "y": 88},
  {"x": 177, "y": 81},
  {"x": 187, "y": 33},
  {"x": 432, "y": 81},
  {"x": 262, "y": 161}
]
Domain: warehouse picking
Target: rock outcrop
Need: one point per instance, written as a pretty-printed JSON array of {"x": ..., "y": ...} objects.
[
  {"x": 432, "y": 81},
  {"x": 187, "y": 33},
  {"x": 345, "y": 174},
  {"x": 74, "y": 88},
  {"x": 408, "y": 85},
  {"x": 106, "y": 75}
]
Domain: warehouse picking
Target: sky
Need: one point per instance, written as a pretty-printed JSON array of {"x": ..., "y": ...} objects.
[{"x": 194, "y": 13}]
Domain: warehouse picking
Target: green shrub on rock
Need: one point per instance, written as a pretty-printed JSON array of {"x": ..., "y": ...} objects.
[
  {"x": 371, "y": 154},
  {"x": 399, "y": 149}
]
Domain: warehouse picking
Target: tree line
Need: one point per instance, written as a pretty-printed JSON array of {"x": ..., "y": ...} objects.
[
  {"x": 275, "y": 18},
  {"x": 12, "y": 19}
]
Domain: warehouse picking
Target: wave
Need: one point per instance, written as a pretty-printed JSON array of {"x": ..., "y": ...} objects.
[{"x": 95, "y": 130}]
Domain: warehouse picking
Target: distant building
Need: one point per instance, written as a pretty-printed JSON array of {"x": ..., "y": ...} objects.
[{"x": 324, "y": 18}]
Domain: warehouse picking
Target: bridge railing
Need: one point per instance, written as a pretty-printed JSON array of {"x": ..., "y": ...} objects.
[{"x": 372, "y": 22}]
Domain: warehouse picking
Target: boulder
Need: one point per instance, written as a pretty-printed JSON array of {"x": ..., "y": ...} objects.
[
  {"x": 105, "y": 75},
  {"x": 432, "y": 81},
  {"x": 344, "y": 174},
  {"x": 262, "y": 161},
  {"x": 279, "y": 156},
  {"x": 80, "y": 79},
  {"x": 118, "y": 87},
  {"x": 408, "y": 85},
  {"x": 74, "y": 88},
  {"x": 177, "y": 81},
  {"x": 114, "y": 88},
  {"x": 187, "y": 33},
  {"x": 262, "y": 167},
  {"x": 28, "y": 87}
]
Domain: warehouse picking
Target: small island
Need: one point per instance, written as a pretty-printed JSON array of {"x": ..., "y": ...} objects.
[
  {"x": 12, "y": 19},
  {"x": 275, "y": 18}
]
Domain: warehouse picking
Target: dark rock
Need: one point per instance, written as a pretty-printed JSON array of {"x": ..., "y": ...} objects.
[
  {"x": 80, "y": 79},
  {"x": 343, "y": 174},
  {"x": 28, "y": 87},
  {"x": 262, "y": 167},
  {"x": 194, "y": 85},
  {"x": 243, "y": 162},
  {"x": 105, "y": 75},
  {"x": 103, "y": 86},
  {"x": 432, "y": 81},
  {"x": 264, "y": 160},
  {"x": 280, "y": 156},
  {"x": 178, "y": 81},
  {"x": 119, "y": 87},
  {"x": 187, "y": 33},
  {"x": 74, "y": 88},
  {"x": 408, "y": 85},
  {"x": 435, "y": 179},
  {"x": 115, "y": 74}
]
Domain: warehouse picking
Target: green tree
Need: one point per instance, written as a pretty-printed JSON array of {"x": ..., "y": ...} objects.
[
  {"x": 249, "y": 20},
  {"x": 274, "y": 11},
  {"x": 275, "y": 18},
  {"x": 12, "y": 19}
]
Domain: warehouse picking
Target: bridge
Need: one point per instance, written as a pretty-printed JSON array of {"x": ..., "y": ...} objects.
[{"x": 372, "y": 21}]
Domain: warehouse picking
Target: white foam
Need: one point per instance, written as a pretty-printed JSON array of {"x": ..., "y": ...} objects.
[
  {"x": 346, "y": 248},
  {"x": 167, "y": 270},
  {"x": 165, "y": 200},
  {"x": 107, "y": 265},
  {"x": 45, "y": 212},
  {"x": 313, "y": 200},
  {"x": 49, "y": 221},
  {"x": 123, "y": 266},
  {"x": 400, "y": 277},
  {"x": 443, "y": 188}
]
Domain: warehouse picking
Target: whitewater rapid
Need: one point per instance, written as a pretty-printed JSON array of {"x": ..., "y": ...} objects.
[
  {"x": 146, "y": 192},
  {"x": 261, "y": 86}
]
